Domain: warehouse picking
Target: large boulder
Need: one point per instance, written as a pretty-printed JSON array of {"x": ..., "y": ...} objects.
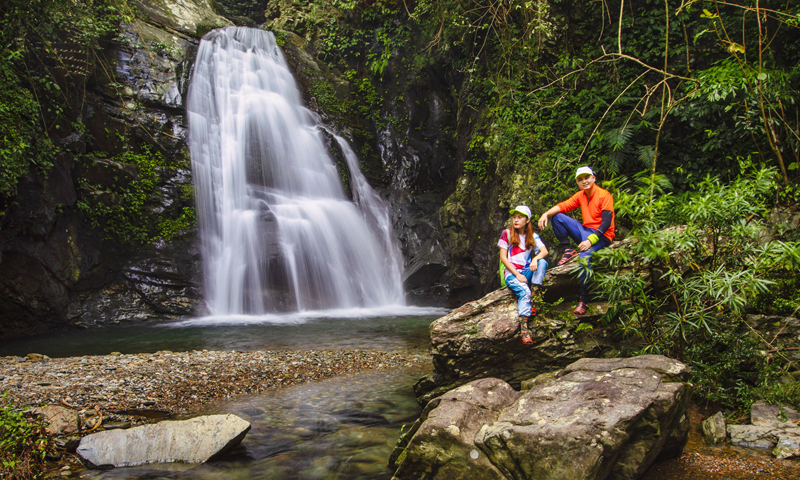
[
  {"x": 601, "y": 418},
  {"x": 188, "y": 441},
  {"x": 443, "y": 436},
  {"x": 481, "y": 339}
]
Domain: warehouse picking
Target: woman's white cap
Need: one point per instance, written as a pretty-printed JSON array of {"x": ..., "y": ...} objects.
[
  {"x": 583, "y": 170},
  {"x": 521, "y": 209}
]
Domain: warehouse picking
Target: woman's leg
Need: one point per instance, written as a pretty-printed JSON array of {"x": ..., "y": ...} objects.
[{"x": 523, "y": 294}]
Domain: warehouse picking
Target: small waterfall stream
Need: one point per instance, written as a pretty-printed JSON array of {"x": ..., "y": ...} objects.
[{"x": 278, "y": 232}]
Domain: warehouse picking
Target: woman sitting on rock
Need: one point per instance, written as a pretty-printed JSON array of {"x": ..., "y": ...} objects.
[{"x": 517, "y": 245}]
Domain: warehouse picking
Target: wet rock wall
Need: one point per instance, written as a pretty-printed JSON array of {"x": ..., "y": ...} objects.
[{"x": 63, "y": 267}]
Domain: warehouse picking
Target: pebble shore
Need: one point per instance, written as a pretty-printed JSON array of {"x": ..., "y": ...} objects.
[{"x": 175, "y": 382}]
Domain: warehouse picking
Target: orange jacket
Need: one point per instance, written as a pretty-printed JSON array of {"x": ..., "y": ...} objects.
[{"x": 592, "y": 208}]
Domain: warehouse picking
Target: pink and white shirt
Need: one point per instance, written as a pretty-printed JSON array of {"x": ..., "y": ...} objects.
[{"x": 517, "y": 255}]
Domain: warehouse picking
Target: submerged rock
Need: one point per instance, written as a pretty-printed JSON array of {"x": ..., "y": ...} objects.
[
  {"x": 189, "y": 441},
  {"x": 602, "y": 418}
]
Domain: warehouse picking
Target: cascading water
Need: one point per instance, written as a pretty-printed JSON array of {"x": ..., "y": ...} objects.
[{"x": 277, "y": 229}]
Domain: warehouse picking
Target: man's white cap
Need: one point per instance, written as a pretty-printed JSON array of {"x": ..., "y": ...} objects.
[
  {"x": 583, "y": 170},
  {"x": 522, "y": 209}
]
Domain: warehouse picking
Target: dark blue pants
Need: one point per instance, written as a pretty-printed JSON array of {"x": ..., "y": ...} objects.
[{"x": 567, "y": 228}]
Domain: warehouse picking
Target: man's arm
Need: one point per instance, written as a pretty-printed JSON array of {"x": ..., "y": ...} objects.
[
  {"x": 546, "y": 215},
  {"x": 601, "y": 230}
]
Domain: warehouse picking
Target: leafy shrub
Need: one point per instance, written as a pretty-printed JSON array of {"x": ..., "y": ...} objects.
[
  {"x": 23, "y": 445},
  {"x": 701, "y": 260}
]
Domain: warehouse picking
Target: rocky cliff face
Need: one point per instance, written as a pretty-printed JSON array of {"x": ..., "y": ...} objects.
[{"x": 64, "y": 261}]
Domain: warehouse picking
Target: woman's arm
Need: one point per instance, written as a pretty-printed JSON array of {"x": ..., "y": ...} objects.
[{"x": 542, "y": 253}]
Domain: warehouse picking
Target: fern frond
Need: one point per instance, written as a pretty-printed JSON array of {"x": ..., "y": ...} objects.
[{"x": 646, "y": 154}]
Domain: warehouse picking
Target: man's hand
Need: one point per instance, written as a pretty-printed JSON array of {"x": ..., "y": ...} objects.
[
  {"x": 584, "y": 245},
  {"x": 543, "y": 221},
  {"x": 521, "y": 278}
]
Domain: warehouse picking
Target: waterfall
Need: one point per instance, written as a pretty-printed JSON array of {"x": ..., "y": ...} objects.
[{"x": 277, "y": 229}]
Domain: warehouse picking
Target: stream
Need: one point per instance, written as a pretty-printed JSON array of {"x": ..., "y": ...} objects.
[{"x": 340, "y": 428}]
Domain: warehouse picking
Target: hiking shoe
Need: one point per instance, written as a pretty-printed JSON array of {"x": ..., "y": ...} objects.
[
  {"x": 581, "y": 309},
  {"x": 524, "y": 332},
  {"x": 569, "y": 254}
]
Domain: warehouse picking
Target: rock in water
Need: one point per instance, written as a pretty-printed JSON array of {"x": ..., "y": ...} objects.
[
  {"x": 190, "y": 441},
  {"x": 602, "y": 418},
  {"x": 772, "y": 426}
]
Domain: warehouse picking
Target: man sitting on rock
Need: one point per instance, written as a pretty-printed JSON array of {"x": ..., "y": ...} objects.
[{"x": 596, "y": 232}]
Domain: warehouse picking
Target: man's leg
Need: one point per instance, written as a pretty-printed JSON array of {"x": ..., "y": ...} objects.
[
  {"x": 566, "y": 228},
  {"x": 585, "y": 274}
]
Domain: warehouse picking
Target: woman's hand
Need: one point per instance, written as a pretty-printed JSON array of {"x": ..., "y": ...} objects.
[
  {"x": 521, "y": 277},
  {"x": 533, "y": 266}
]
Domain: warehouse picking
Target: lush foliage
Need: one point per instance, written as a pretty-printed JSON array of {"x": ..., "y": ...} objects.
[
  {"x": 700, "y": 261},
  {"x": 46, "y": 49},
  {"x": 23, "y": 445},
  {"x": 681, "y": 88}
]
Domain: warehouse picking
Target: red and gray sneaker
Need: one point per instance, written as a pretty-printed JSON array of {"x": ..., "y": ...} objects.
[
  {"x": 581, "y": 309},
  {"x": 524, "y": 332},
  {"x": 569, "y": 254}
]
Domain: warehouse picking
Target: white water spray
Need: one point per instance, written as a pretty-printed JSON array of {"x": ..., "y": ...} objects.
[{"x": 277, "y": 229}]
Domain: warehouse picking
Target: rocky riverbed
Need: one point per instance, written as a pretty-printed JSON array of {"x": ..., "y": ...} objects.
[{"x": 174, "y": 382}]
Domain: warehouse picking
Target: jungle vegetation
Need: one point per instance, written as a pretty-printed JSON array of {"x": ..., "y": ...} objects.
[{"x": 688, "y": 109}]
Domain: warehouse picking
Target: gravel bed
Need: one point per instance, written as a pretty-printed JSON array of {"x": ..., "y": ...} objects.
[{"x": 175, "y": 382}]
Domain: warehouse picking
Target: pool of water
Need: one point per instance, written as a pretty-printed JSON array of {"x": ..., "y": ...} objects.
[
  {"x": 341, "y": 428},
  {"x": 400, "y": 329}
]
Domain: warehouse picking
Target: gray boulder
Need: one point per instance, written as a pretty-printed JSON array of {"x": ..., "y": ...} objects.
[
  {"x": 443, "y": 437},
  {"x": 189, "y": 441},
  {"x": 601, "y": 418}
]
